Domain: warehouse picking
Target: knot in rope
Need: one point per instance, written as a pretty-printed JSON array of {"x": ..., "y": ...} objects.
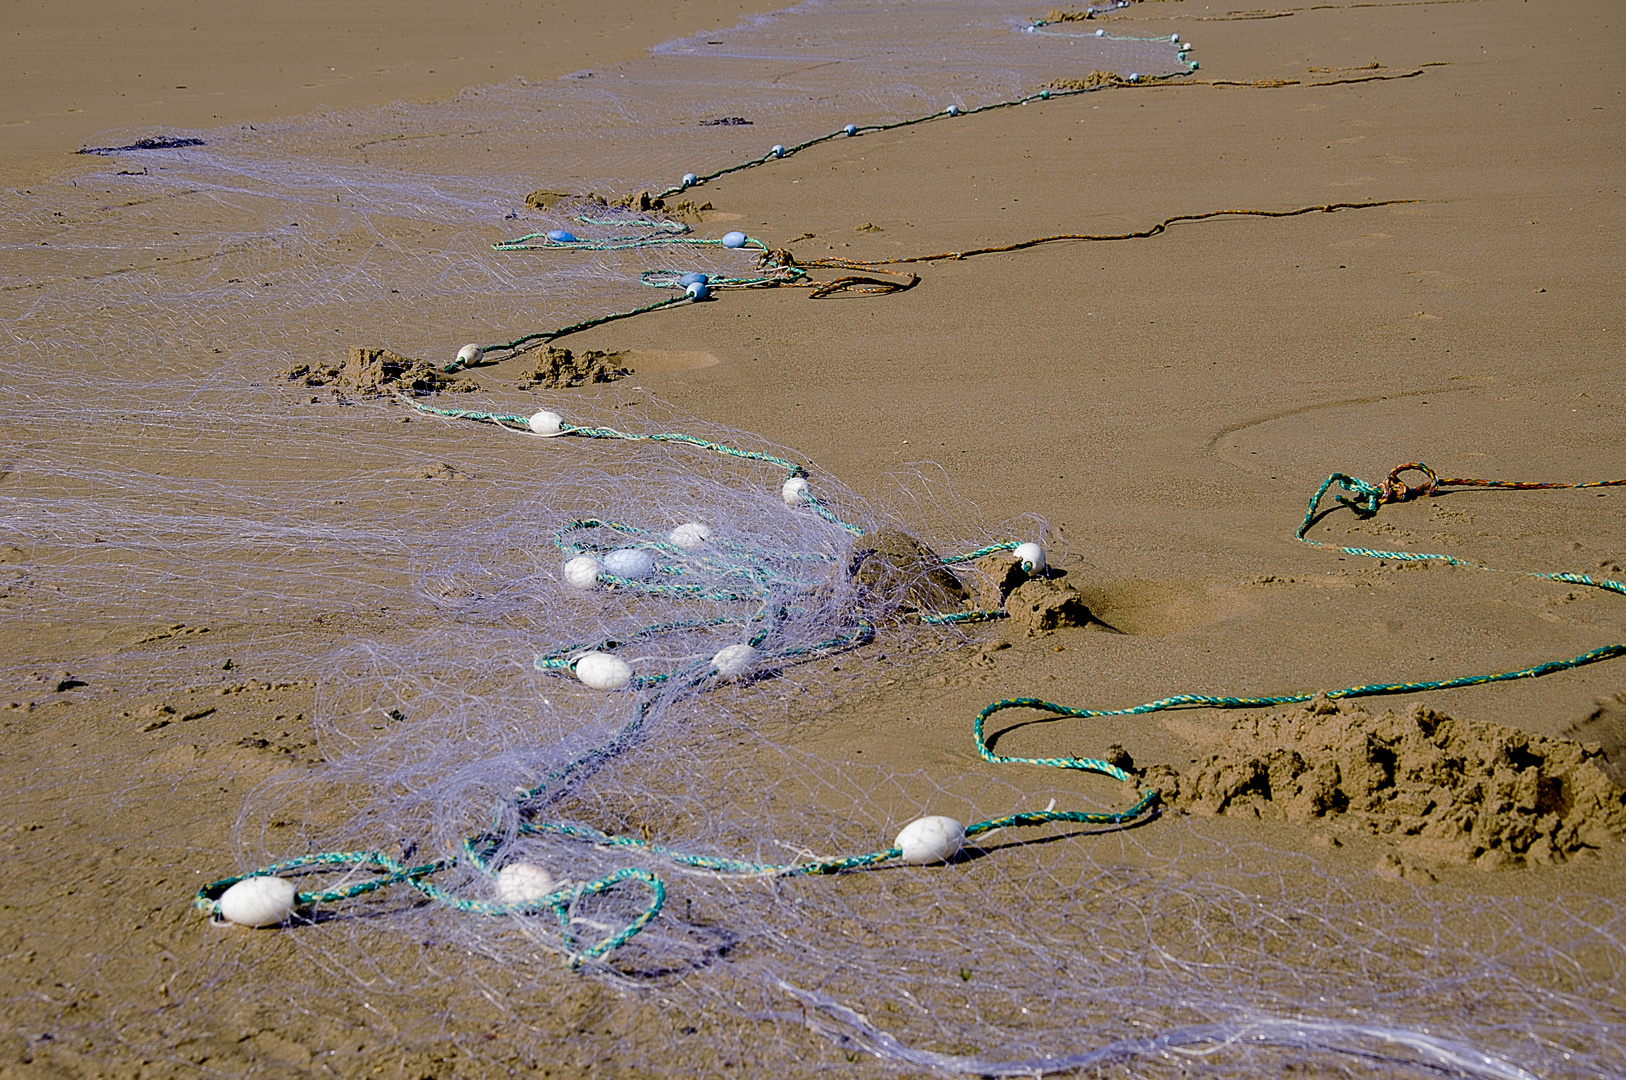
[{"x": 1363, "y": 498}]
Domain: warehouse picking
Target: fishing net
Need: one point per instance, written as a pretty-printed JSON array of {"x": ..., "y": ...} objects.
[{"x": 508, "y": 854}]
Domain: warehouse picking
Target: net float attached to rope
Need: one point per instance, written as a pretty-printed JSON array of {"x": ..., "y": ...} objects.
[
  {"x": 690, "y": 535},
  {"x": 735, "y": 661},
  {"x": 931, "y": 839},
  {"x": 1032, "y": 556},
  {"x": 523, "y": 883},
  {"x": 545, "y": 423},
  {"x": 582, "y": 572},
  {"x": 629, "y": 563},
  {"x": 259, "y": 901},
  {"x": 602, "y": 671}
]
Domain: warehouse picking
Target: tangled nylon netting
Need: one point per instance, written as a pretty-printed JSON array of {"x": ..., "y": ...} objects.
[
  {"x": 716, "y": 880},
  {"x": 692, "y": 608}
]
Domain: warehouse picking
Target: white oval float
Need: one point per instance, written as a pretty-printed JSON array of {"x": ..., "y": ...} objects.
[
  {"x": 582, "y": 572},
  {"x": 259, "y": 901},
  {"x": 690, "y": 535},
  {"x": 546, "y": 424},
  {"x": 735, "y": 661},
  {"x": 523, "y": 882},
  {"x": 629, "y": 563},
  {"x": 796, "y": 491},
  {"x": 602, "y": 671},
  {"x": 931, "y": 839}
]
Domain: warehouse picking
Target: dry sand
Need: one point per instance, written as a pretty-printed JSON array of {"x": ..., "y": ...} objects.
[{"x": 1168, "y": 402}]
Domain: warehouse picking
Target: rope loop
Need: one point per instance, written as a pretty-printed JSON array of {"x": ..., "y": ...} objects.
[
  {"x": 859, "y": 284},
  {"x": 1397, "y": 490}
]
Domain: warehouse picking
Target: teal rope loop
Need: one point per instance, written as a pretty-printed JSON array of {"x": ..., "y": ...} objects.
[
  {"x": 560, "y": 901},
  {"x": 1364, "y": 499}
]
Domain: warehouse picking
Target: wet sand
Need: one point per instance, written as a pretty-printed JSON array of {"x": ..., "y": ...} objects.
[{"x": 1167, "y": 403}]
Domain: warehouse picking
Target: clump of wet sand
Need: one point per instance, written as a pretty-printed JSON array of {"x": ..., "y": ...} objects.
[
  {"x": 557, "y": 368},
  {"x": 372, "y": 372},
  {"x": 1089, "y": 82},
  {"x": 1444, "y": 791}
]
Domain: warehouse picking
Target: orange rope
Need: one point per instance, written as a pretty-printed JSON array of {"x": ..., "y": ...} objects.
[{"x": 1395, "y": 490}]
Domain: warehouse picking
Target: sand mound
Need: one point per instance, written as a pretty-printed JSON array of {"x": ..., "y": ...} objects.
[
  {"x": 685, "y": 210},
  {"x": 894, "y": 563},
  {"x": 556, "y": 368},
  {"x": 1037, "y": 604},
  {"x": 1445, "y": 791},
  {"x": 1088, "y": 82},
  {"x": 371, "y": 372}
]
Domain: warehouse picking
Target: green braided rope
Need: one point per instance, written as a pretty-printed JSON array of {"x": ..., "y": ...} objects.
[
  {"x": 1033, "y": 28},
  {"x": 525, "y": 243},
  {"x": 952, "y": 617},
  {"x": 791, "y": 468},
  {"x": 739, "y": 867},
  {"x": 1357, "y": 494},
  {"x": 669, "y": 279},
  {"x": 543, "y": 336},
  {"x": 1008, "y": 545},
  {"x": 1364, "y": 499},
  {"x": 522, "y": 423},
  {"x": 860, "y": 129},
  {"x": 636, "y": 222}
]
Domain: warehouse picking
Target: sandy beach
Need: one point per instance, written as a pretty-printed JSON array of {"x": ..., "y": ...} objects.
[{"x": 1167, "y": 404}]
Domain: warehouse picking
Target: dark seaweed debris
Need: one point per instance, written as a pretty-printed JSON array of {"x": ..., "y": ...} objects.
[
  {"x": 152, "y": 142},
  {"x": 725, "y": 121}
]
